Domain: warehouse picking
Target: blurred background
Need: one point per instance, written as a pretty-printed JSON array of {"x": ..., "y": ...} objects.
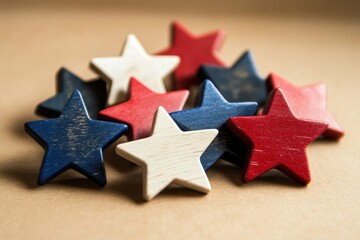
[
  {"x": 290, "y": 8},
  {"x": 42, "y": 35}
]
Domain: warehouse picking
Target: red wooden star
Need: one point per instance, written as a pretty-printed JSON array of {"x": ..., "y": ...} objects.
[
  {"x": 193, "y": 52},
  {"x": 278, "y": 140},
  {"x": 139, "y": 110},
  {"x": 308, "y": 102}
]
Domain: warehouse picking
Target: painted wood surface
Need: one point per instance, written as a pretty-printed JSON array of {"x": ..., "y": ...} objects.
[
  {"x": 238, "y": 83},
  {"x": 133, "y": 62},
  {"x": 139, "y": 111},
  {"x": 169, "y": 155},
  {"x": 193, "y": 51},
  {"x": 277, "y": 140},
  {"x": 211, "y": 112},
  {"x": 308, "y": 102},
  {"x": 74, "y": 141},
  {"x": 93, "y": 92}
]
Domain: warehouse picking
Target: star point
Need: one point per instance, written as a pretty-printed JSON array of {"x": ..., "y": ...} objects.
[
  {"x": 169, "y": 155},
  {"x": 133, "y": 62}
]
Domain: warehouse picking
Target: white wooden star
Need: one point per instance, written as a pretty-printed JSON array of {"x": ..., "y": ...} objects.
[
  {"x": 133, "y": 62},
  {"x": 169, "y": 155}
]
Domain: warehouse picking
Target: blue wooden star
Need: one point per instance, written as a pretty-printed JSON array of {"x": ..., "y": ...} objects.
[
  {"x": 212, "y": 112},
  {"x": 74, "y": 141},
  {"x": 93, "y": 92},
  {"x": 239, "y": 83}
]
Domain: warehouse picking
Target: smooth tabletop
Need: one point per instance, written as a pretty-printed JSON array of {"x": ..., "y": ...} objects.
[{"x": 37, "y": 39}]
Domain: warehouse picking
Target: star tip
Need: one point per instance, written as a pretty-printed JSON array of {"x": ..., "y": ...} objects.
[
  {"x": 214, "y": 131},
  {"x": 101, "y": 182},
  {"x": 277, "y": 92},
  {"x": 185, "y": 94},
  {"x": 172, "y": 61},
  {"x": 28, "y": 128},
  {"x": 131, "y": 35},
  {"x": 230, "y": 121},
  {"x": 27, "y": 125},
  {"x": 176, "y": 24},
  {"x": 161, "y": 110},
  {"x": 132, "y": 39},
  {"x": 278, "y": 95},
  {"x": 120, "y": 149},
  {"x": 123, "y": 127},
  {"x": 247, "y": 55},
  {"x": 320, "y": 87},
  {"x": 176, "y": 59},
  {"x": 202, "y": 69},
  {"x": 102, "y": 113},
  {"x": 94, "y": 62},
  {"x": 340, "y": 134},
  {"x": 245, "y": 178},
  {"x": 208, "y": 85},
  {"x": 147, "y": 197},
  {"x": 273, "y": 76},
  {"x": 76, "y": 93},
  {"x": 336, "y": 135},
  {"x": 134, "y": 81},
  {"x": 207, "y": 82},
  {"x": 304, "y": 181},
  {"x": 41, "y": 181},
  {"x": 247, "y": 52},
  {"x": 220, "y": 34},
  {"x": 206, "y": 188},
  {"x": 253, "y": 107},
  {"x": 62, "y": 71}
]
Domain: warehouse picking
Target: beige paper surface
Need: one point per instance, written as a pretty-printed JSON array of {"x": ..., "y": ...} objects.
[{"x": 37, "y": 40}]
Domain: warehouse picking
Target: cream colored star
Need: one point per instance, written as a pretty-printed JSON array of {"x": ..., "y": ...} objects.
[
  {"x": 133, "y": 62},
  {"x": 169, "y": 156}
]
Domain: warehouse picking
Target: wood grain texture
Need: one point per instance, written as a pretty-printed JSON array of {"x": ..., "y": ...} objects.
[
  {"x": 133, "y": 62},
  {"x": 169, "y": 156},
  {"x": 193, "y": 51},
  {"x": 238, "y": 83},
  {"x": 93, "y": 92},
  {"x": 74, "y": 141},
  {"x": 211, "y": 112},
  {"x": 139, "y": 111},
  {"x": 277, "y": 140},
  {"x": 308, "y": 102}
]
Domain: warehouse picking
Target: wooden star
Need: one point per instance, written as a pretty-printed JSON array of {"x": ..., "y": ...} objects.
[
  {"x": 277, "y": 140},
  {"x": 211, "y": 112},
  {"x": 169, "y": 156},
  {"x": 308, "y": 102},
  {"x": 93, "y": 92},
  {"x": 193, "y": 51},
  {"x": 74, "y": 141},
  {"x": 239, "y": 83},
  {"x": 139, "y": 111},
  {"x": 133, "y": 62}
]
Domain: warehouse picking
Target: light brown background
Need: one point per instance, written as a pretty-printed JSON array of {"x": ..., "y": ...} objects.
[{"x": 304, "y": 41}]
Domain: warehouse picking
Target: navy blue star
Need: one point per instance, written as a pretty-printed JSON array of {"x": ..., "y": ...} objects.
[
  {"x": 93, "y": 92},
  {"x": 212, "y": 112},
  {"x": 74, "y": 141},
  {"x": 239, "y": 83}
]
